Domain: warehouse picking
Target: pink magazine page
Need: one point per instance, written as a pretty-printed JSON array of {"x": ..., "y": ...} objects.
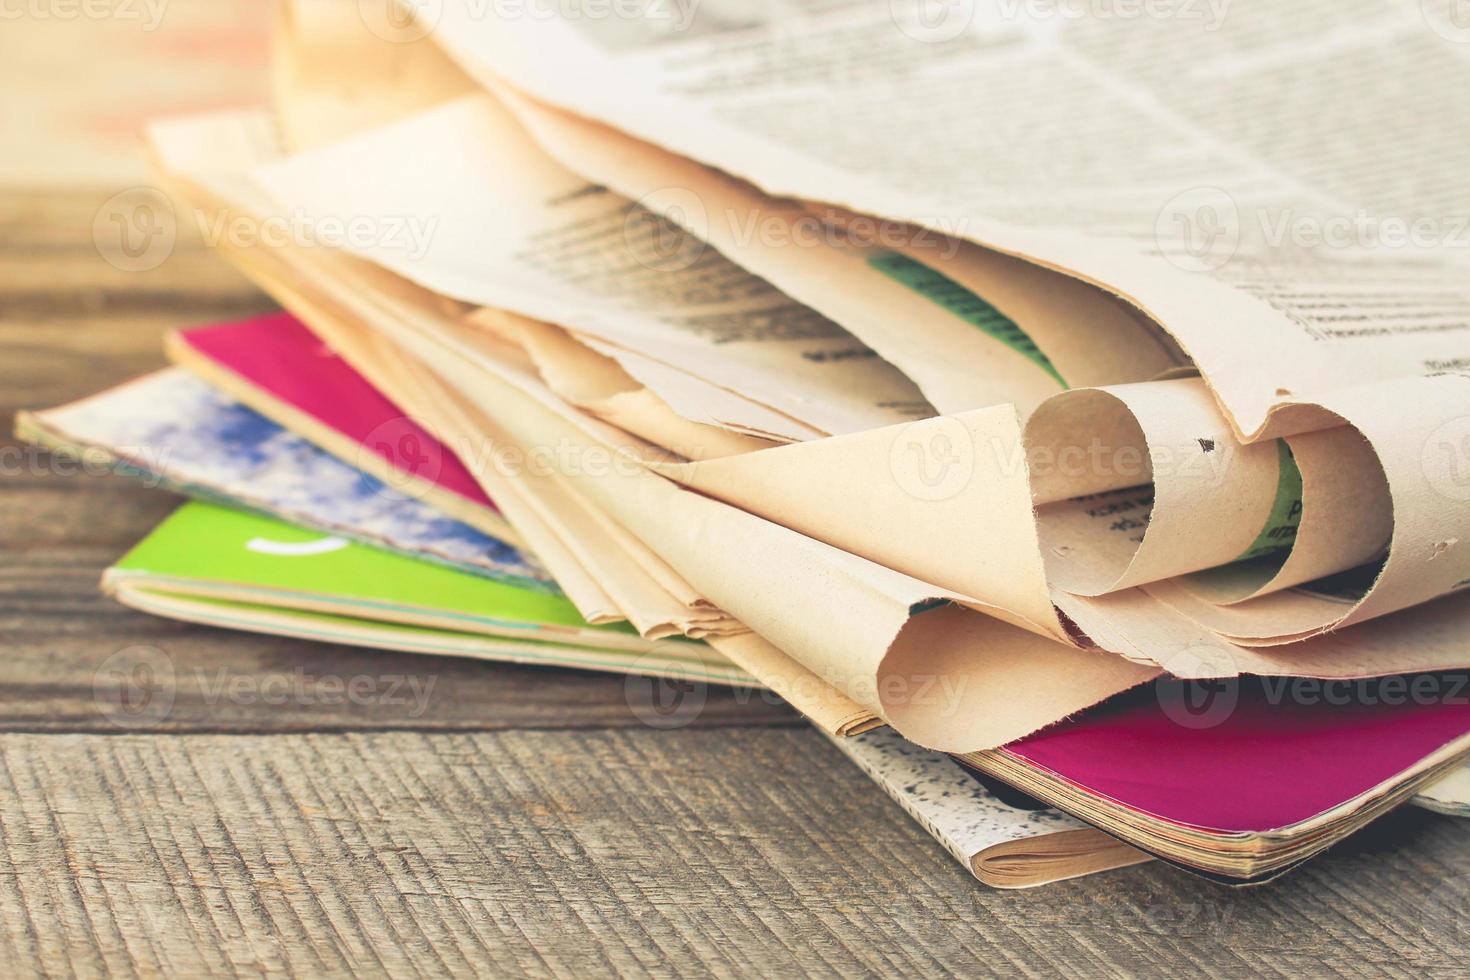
[
  {"x": 280, "y": 356},
  {"x": 1266, "y": 754}
]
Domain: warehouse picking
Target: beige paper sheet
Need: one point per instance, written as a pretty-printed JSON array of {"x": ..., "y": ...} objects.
[
  {"x": 1427, "y": 637},
  {"x": 845, "y": 619},
  {"x": 597, "y": 383},
  {"x": 956, "y": 365},
  {"x": 335, "y": 78},
  {"x": 332, "y": 75},
  {"x": 1205, "y": 500},
  {"x": 1346, "y": 521},
  {"x": 1243, "y": 246},
  {"x": 1409, "y": 424},
  {"x": 868, "y": 605},
  {"x": 958, "y": 479},
  {"x": 498, "y": 223},
  {"x": 1449, "y": 545},
  {"x": 1092, "y": 337},
  {"x": 329, "y": 290}
]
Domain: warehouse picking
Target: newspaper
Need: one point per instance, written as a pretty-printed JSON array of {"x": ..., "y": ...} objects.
[
  {"x": 1277, "y": 262},
  {"x": 205, "y": 158},
  {"x": 822, "y": 274},
  {"x": 1310, "y": 282},
  {"x": 1004, "y": 841},
  {"x": 1038, "y": 331},
  {"x": 514, "y": 231},
  {"x": 959, "y": 554}
]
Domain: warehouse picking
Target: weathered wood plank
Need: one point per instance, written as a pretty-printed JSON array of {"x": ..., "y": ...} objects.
[
  {"x": 71, "y": 323},
  {"x": 640, "y": 852}
]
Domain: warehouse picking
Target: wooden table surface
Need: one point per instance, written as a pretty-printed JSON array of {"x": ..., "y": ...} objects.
[{"x": 524, "y": 821}]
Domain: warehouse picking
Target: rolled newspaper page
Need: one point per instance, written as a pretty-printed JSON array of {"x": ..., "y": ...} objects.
[
  {"x": 1414, "y": 427},
  {"x": 1142, "y": 482},
  {"x": 1346, "y": 521}
]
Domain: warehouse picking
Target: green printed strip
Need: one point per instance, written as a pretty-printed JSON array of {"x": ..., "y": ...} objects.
[
  {"x": 945, "y": 292},
  {"x": 1286, "y": 511}
]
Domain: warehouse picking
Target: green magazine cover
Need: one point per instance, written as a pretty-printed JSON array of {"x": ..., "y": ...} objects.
[{"x": 234, "y": 568}]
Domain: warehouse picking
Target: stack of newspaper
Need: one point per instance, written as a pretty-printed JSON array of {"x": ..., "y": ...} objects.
[{"x": 1086, "y": 398}]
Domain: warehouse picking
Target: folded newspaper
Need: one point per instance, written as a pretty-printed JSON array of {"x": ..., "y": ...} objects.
[{"x": 1019, "y": 379}]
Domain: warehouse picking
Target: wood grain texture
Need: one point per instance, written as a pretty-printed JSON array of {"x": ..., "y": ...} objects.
[{"x": 635, "y": 852}]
